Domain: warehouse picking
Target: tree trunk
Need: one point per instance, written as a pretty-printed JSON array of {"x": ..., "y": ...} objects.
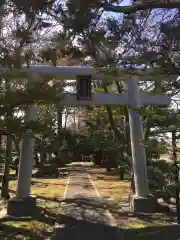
[
  {"x": 16, "y": 144},
  {"x": 111, "y": 119},
  {"x": 59, "y": 113},
  {"x": 50, "y": 156},
  {"x": 126, "y": 121},
  {"x": 42, "y": 157},
  {"x": 8, "y": 161},
  {"x": 41, "y": 164},
  {"x": 66, "y": 118},
  {"x": 8, "y": 154},
  {"x": 36, "y": 159},
  {"x": 98, "y": 157},
  {"x": 1, "y": 137},
  {"x": 176, "y": 174}
]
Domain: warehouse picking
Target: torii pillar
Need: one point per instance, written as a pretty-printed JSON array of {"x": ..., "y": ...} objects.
[
  {"x": 142, "y": 201},
  {"x": 23, "y": 204}
]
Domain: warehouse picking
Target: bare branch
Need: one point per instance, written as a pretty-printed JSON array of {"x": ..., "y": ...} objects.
[{"x": 142, "y": 6}]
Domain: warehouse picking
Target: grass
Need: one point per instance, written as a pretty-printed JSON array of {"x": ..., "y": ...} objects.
[
  {"x": 117, "y": 194},
  {"x": 117, "y": 191},
  {"x": 49, "y": 193},
  {"x": 48, "y": 188},
  {"x": 110, "y": 186},
  {"x": 27, "y": 229}
]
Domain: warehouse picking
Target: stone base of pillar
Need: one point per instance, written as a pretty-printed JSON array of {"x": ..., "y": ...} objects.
[
  {"x": 21, "y": 207},
  {"x": 144, "y": 204}
]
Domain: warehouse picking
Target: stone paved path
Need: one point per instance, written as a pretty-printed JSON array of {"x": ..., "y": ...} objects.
[{"x": 83, "y": 215}]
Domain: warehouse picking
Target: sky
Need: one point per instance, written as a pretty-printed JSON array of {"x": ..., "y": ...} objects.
[{"x": 153, "y": 20}]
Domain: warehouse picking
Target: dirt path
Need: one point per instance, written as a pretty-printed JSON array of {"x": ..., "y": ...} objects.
[{"x": 83, "y": 214}]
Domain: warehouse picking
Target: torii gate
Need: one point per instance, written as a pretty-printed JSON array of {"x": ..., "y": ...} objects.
[{"x": 23, "y": 204}]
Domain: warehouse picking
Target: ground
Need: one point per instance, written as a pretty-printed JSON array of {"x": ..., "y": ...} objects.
[
  {"x": 83, "y": 214},
  {"x": 117, "y": 193},
  {"x": 95, "y": 201},
  {"x": 49, "y": 193}
]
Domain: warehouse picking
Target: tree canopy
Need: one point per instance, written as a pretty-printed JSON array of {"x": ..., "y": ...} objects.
[{"x": 113, "y": 38}]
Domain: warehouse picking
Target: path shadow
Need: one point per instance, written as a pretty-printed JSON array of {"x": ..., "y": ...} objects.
[
  {"x": 34, "y": 182},
  {"x": 153, "y": 233},
  {"x": 88, "y": 213},
  {"x": 50, "y": 176},
  {"x": 70, "y": 221},
  {"x": 87, "y": 202},
  {"x": 53, "y": 199},
  {"x": 117, "y": 209},
  {"x": 71, "y": 228},
  {"x": 107, "y": 175}
]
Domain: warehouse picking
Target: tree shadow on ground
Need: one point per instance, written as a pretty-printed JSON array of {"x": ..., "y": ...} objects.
[
  {"x": 107, "y": 175},
  {"x": 153, "y": 233},
  {"x": 70, "y": 222},
  {"x": 86, "y": 202},
  {"x": 117, "y": 209},
  {"x": 54, "y": 199},
  {"x": 12, "y": 177},
  {"x": 71, "y": 228},
  {"x": 11, "y": 233},
  {"x": 34, "y": 182},
  {"x": 10, "y": 190},
  {"x": 48, "y": 175},
  {"x": 104, "y": 203},
  {"x": 42, "y": 216},
  {"x": 100, "y": 175}
]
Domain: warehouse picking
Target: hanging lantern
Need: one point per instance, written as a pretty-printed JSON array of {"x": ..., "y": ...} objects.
[{"x": 84, "y": 89}]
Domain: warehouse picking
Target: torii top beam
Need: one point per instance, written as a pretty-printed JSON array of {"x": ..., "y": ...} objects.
[{"x": 70, "y": 73}]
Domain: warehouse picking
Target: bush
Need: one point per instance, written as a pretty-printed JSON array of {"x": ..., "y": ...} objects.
[
  {"x": 48, "y": 170},
  {"x": 161, "y": 180}
]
